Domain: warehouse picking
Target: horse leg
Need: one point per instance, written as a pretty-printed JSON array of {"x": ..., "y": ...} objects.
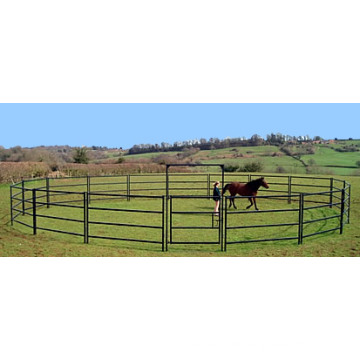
[
  {"x": 251, "y": 203},
  {"x": 234, "y": 204},
  {"x": 232, "y": 200},
  {"x": 255, "y": 205}
]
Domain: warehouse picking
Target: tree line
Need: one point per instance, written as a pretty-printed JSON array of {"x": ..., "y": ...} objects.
[{"x": 216, "y": 143}]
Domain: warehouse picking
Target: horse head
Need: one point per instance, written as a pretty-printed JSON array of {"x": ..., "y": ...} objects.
[{"x": 264, "y": 183}]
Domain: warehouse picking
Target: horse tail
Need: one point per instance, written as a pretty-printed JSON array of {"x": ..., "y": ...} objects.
[{"x": 225, "y": 188}]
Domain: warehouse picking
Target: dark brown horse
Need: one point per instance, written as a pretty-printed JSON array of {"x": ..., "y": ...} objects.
[{"x": 249, "y": 189}]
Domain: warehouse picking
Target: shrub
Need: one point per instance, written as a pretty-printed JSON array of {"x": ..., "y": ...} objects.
[
  {"x": 165, "y": 159},
  {"x": 109, "y": 169},
  {"x": 187, "y": 152},
  {"x": 253, "y": 166},
  {"x": 231, "y": 168},
  {"x": 15, "y": 172}
]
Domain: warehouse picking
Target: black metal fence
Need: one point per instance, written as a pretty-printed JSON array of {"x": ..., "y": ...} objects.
[
  {"x": 298, "y": 207},
  {"x": 193, "y": 226}
]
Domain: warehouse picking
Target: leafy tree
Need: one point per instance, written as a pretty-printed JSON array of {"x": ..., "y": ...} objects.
[
  {"x": 256, "y": 140},
  {"x": 80, "y": 156}
]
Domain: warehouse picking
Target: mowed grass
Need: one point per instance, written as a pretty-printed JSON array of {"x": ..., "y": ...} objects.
[{"x": 19, "y": 241}]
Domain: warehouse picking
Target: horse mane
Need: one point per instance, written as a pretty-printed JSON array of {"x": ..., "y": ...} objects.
[{"x": 255, "y": 184}]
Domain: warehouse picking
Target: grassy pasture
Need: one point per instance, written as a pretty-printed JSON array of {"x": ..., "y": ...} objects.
[
  {"x": 337, "y": 162},
  {"x": 19, "y": 241},
  {"x": 325, "y": 160}
]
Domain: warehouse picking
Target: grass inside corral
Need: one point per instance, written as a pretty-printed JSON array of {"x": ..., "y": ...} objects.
[{"x": 19, "y": 241}]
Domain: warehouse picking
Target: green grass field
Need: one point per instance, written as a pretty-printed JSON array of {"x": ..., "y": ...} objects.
[
  {"x": 337, "y": 162},
  {"x": 325, "y": 160},
  {"x": 19, "y": 241}
]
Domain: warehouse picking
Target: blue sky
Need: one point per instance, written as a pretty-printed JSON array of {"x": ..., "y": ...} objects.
[{"x": 124, "y": 125}]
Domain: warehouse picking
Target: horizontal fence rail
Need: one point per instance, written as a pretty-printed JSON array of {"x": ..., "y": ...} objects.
[{"x": 177, "y": 209}]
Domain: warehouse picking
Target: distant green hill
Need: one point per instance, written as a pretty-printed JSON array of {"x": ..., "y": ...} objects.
[{"x": 338, "y": 158}]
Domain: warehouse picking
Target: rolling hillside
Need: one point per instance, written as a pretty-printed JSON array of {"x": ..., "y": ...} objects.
[
  {"x": 324, "y": 159},
  {"x": 329, "y": 158}
]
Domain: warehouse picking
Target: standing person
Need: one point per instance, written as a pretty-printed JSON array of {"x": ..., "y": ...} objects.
[{"x": 216, "y": 197}]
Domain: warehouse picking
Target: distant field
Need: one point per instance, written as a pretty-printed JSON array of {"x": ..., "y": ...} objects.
[
  {"x": 338, "y": 162},
  {"x": 151, "y": 155},
  {"x": 325, "y": 160}
]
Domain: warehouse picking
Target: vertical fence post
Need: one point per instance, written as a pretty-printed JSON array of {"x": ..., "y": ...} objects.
[
  {"x": 166, "y": 210},
  {"x": 301, "y": 218},
  {"x": 349, "y": 202},
  {"x": 222, "y": 176},
  {"x": 11, "y": 205},
  {"x": 86, "y": 218},
  {"x": 208, "y": 185},
  {"x": 342, "y": 211},
  {"x": 47, "y": 192},
  {"x": 220, "y": 227},
  {"x": 23, "y": 196},
  {"x": 289, "y": 189},
  {"x": 88, "y": 187},
  {"x": 163, "y": 238},
  {"x": 167, "y": 206},
  {"x": 128, "y": 187},
  {"x": 171, "y": 219},
  {"x": 34, "y": 211},
  {"x": 221, "y": 224},
  {"x": 331, "y": 191},
  {"x": 225, "y": 227}
]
